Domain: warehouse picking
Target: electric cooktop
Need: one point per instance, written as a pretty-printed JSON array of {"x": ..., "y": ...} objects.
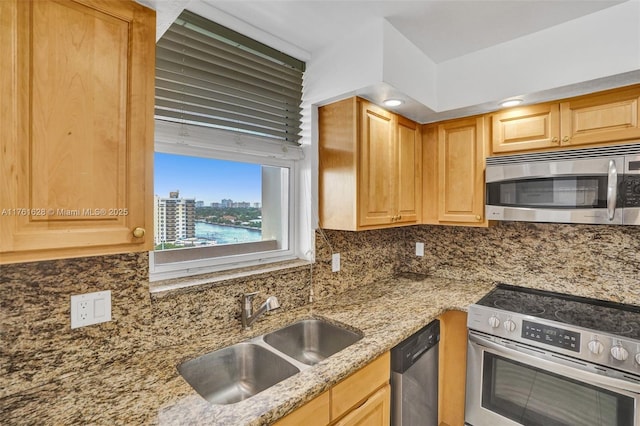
[{"x": 610, "y": 317}]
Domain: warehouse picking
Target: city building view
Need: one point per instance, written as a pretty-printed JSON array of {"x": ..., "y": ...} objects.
[
  {"x": 175, "y": 219},
  {"x": 185, "y": 222}
]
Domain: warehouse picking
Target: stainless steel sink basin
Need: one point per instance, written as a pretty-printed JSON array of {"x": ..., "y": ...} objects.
[
  {"x": 312, "y": 340},
  {"x": 235, "y": 373}
]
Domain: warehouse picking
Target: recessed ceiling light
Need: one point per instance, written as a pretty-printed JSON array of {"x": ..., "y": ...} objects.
[
  {"x": 511, "y": 102},
  {"x": 393, "y": 102}
]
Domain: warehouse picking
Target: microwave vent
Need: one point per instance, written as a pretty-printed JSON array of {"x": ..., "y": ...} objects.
[{"x": 603, "y": 151}]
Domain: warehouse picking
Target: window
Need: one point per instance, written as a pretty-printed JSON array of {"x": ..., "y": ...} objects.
[{"x": 227, "y": 130}]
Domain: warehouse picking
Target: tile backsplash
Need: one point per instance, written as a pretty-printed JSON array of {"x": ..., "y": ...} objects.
[{"x": 38, "y": 347}]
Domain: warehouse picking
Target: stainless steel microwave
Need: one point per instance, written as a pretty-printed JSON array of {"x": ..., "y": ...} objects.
[{"x": 593, "y": 185}]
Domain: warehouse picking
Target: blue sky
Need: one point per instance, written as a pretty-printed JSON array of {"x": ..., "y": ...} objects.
[{"x": 206, "y": 179}]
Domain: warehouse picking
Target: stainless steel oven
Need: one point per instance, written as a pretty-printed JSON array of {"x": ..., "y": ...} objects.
[{"x": 532, "y": 365}]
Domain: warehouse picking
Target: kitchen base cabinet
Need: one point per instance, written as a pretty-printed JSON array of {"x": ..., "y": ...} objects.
[
  {"x": 313, "y": 413},
  {"x": 374, "y": 411},
  {"x": 76, "y": 128},
  {"x": 452, "y": 367},
  {"x": 361, "y": 399}
]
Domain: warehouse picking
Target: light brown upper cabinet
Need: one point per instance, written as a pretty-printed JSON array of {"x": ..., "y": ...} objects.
[
  {"x": 76, "y": 128},
  {"x": 600, "y": 118},
  {"x": 369, "y": 167},
  {"x": 453, "y": 165}
]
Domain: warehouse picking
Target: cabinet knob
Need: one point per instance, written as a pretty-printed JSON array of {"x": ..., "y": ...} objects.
[
  {"x": 555, "y": 139},
  {"x": 565, "y": 139},
  {"x": 139, "y": 232},
  {"x": 478, "y": 217}
]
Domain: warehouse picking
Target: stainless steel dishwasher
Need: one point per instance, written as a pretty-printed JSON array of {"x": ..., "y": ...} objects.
[{"x": 414, "y": 378}]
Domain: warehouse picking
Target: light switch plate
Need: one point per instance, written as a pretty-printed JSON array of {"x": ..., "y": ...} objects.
[
  {"x": 335, "y": 262},
  {"x": 90, "y": 308},
  {"x": 419, "y": 249}
]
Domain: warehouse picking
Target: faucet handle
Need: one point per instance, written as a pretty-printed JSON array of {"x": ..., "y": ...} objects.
[
  {"x": 250, "y": 296},
  {"x": 247, "y": 301}
]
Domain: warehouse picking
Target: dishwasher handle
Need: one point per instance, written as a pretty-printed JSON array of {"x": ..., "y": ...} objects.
[{"x": 410, "y": 350}]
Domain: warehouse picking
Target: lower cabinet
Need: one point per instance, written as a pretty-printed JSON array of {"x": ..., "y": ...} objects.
[
  {"x": 361, "y": 399},
  {"x": 313, "y": 413},
  {"x": 452, "y": 366},
  {"x": 374, "y": 411}
]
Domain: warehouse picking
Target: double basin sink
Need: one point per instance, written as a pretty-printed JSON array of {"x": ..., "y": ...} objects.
[{"x": 237, "y": 372}]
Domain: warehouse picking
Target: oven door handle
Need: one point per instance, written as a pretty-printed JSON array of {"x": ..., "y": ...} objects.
[{"x": 559, "y": 365}]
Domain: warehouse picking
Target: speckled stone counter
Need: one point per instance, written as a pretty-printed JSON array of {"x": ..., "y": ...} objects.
[{"x": 147, "y": 389}]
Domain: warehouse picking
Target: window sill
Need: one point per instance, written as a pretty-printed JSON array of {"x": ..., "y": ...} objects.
[{"x": 170, "y": 287}]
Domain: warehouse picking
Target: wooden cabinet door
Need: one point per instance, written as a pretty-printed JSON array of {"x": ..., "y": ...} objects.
[
  {"x": 374, "y": 412},
  {"x": 377, "y": 179},
  {"x": 526, "y": 128},
  {"x": 606, "y": 117},
  {"x": 313, "y": 413},
  {"x": 409, "y": 168},
  {"x": 354, "y": 389},
  {"x": 452, "y": 374},
  {"x": 76, "y": 128},
  {"x": 461, "y": 171}
]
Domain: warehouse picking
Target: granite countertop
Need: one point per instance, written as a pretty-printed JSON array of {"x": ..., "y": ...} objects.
[
  {"x": 146, "y": 388},
  {"x": 386, "y": 313}
]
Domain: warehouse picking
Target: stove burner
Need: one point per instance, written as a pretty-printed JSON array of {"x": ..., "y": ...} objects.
[
  {"x": 517, "y": 306},
  {"x": 590, "y": 318}
]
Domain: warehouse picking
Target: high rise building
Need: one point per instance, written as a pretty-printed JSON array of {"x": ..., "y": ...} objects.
[{"x": 175, "y": 218}]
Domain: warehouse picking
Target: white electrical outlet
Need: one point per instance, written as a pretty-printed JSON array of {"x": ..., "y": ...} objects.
[
  {"x": 419, "y": 249},
  {"x": 335, "y": 262},
  {"x": 90, "y": 308}
]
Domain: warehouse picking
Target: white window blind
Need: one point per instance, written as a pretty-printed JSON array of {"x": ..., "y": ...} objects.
[{"x": 209, "y": 75}]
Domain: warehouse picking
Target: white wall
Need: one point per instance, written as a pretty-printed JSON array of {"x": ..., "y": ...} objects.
[
  {"x": 407, "y": 69},
  {"x": 602, "y": 44},
  {"x": 341, "y": 69}
]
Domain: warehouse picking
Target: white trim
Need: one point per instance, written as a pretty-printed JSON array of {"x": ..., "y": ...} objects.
[
  {"x": 176, "y": 138},
  {"x": 218, "y": 16}
]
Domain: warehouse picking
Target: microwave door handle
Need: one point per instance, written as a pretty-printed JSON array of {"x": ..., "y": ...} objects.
[{"x": 612, "y": 189}]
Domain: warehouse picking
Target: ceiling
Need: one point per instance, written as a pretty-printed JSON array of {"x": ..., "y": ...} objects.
[
  {"x": 444, "y": 30},
  {"x": 441, "y": 29}
]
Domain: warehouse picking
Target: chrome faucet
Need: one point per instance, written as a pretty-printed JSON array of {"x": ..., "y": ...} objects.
[{"x": 248, "y": 316}]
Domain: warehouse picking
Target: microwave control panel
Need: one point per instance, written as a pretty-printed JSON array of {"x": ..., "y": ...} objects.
[{"x": 630, "y": 191}]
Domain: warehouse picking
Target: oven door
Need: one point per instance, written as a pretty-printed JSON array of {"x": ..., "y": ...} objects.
[{"x": 520, "y": 385}]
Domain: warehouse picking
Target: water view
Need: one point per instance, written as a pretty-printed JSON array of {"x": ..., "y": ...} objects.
[{"x": 223, "y": 234}]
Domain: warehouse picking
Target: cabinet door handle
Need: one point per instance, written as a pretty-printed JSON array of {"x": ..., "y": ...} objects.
[
  {"x": 566, "y": 139},
  {"x": 478, "y": 217},
  {"x": 555, "y": 139},
  {"x": 139, "y": 232}
]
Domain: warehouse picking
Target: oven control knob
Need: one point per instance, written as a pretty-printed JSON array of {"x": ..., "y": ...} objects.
[
  {"x": 596, "y": 346},
  {"x": 509, "y": 325},
  {"x": 638, "y": 358},
  {"x": 494, "y": 321},
  {"x": 619, "y": 353}
]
